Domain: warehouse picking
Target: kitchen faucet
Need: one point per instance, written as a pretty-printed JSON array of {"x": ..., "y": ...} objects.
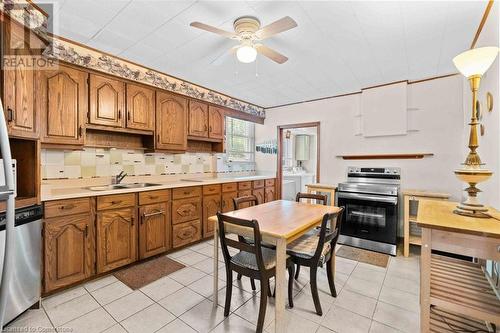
[{"x": 118, "y": 178}]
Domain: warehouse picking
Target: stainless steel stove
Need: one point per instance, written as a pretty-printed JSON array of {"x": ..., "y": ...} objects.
[{"x": 371, "y": 200}]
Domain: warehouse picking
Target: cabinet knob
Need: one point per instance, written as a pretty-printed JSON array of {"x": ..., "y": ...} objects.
[
  {"x": 128, "y": 115},
  {"x": 10, "y": 115}
]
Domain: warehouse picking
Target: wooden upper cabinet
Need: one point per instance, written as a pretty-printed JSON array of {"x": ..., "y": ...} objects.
[
  {"x": 215, "y": 122},
  {"x": 68, "y": 250},
  {"x": 62, "y": 104},
  {"x": 107, "y": 101},
  {"x": 198, "y": 119},
  {"x": 140, "y": 108},
  {"x": 19, "y": 84},
  {"x": 171, "y": 122}
]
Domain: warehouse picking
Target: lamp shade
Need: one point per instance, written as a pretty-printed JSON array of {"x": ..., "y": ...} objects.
[
  {"x": 246, "y": 54},
  {"x": 475, "y": 61}
]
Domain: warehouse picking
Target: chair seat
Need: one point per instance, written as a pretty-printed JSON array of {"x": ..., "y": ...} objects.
[
  {"x": 305, "y": 246},
  {"x": 249, "y": 240},
  {"x": 249, "y": 260}
]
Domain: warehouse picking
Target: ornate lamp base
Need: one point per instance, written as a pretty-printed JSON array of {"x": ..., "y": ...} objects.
[{"x": 471, "y": 206}]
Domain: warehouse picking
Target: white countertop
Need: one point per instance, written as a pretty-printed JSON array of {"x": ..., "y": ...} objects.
[{"x": 78, "y": 188}]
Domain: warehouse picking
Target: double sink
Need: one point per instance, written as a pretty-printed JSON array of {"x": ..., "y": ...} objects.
[{"x": 120, "y": 186}]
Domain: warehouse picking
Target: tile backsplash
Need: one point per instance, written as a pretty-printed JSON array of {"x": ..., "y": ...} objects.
[{"x": 95, "y": 162}]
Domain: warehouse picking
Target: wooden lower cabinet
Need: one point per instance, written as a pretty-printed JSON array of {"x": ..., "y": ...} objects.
[
  {"x": 69, "y": 250},
  {"x": 227, "y": 201},
  {"x": 260, "y": 194},
  {"x": 211, "y": 205},
  {"x": 270, "y": 194},
  {"x": 186, "y": 233},
  {"x": 187, "y": 209},
  {"x": 244, "y": 194},
  {"x": 154, "y": 229},
  {"x": 116, "y": 238}
]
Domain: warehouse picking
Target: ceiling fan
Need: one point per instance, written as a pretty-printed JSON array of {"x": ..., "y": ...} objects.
[{"x": 248, "y": 32}]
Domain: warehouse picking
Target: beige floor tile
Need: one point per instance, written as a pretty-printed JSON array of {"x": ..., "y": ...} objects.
[
  {"x": 304, "y": 306},
  {"x": 192, "y": 258},
  {"x": 95, "y": 321},
  {"x": 234, "y": 324},
  {"x": 403, "y": 284},
  {"x": 372, "y": 267},
  {"x": 198, "y": 246},
  {"x": 63, "y": 297},
  {"x": 111, "y": 292},
  {"x": 203, "y": 317},
  {"x": 99, "y": 283},
  {"x": 340, "y": 280},
  {"x": 341, "y": 320},
  {"x": 394, "y": 316},
  {"x": 294, "y": 324},
  {"x": 161, "y": 288},
  {"x": 187, "y": 275},
  {"x": 176, "y": 326},
  {"x": 367, "y": 273},
  {"x": 400, "y": 298},
  {"x": 345, "y": 266},
  {"x": 222, "y": 273},
  {"x": 204, "y": 286},
  {"x": 181, "y": 301},
  {"x": 244, "y": 284},
  {"x": 29, "y": 320},
  {"x": 128, "y": 305},
  {"x": 250, "y": 311},
  {"x": 179, "y": 253},
  {"x": 115, "y": 329},
  {"x": 357, "y": 303},
  {"x": 206, "y": 250},
  {"x": 72, "y": 309},
  {"x": 207, "y": 266},
  {"x": 381, "y": 328},
  {"x": 323, "y": 329},
  {"x": 404, "y": 269},
  {"x": 239, "y": 296},
  {"x": 148, "y": 320},
  {"x": 364, "y": 287}
]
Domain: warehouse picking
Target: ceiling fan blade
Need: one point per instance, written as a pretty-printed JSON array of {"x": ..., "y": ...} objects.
[
  {"x": 271, "y": 54},
  {"x": 284, "y": 24},
  {"x": 212, "y": 29}
]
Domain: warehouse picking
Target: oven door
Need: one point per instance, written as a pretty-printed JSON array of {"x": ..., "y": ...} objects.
[{"x": 369, "y": 216}]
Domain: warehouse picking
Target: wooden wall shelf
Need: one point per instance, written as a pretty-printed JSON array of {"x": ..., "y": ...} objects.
[{"x": 385, "y": 156}]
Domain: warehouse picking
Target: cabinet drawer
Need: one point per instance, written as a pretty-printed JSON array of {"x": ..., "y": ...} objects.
[
  {"x": 258, "y": 184},
  {"x": 211, "y": 189},
  {"x": 115, "y": 201},
  {"x": 244, "y": 186},
  {"x": 230, "y": 187},
  {"x": 186, "y": 192},
  {"x": 269, "y": 182},
  {"x": 146, "y": 198},
  {"x": 186, "y": 233},
  {"x": 186, "y": 210},
  {"x": 67, "y": 207}
]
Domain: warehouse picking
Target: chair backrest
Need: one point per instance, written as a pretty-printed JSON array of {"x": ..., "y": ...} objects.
[
  {"x": 320, "y": 198},
  {"x": 226, "y": 242},
  {"x": 327, "y": 235},
  {"x": 238, "y": 202}
]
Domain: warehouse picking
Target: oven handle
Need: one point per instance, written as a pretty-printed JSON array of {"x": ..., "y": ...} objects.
[{"x": 391, "y": 200}]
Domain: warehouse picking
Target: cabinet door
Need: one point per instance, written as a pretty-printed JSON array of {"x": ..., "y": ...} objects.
[
  {"x": 244, "y": 194},
  {"x": 171, "y": 121},
  {"x": 227, "y": 201},
  {"x": 19, "y": 84},
  {"x": 186, "y": 209},
  {"x": 107, "y": 101},
  {"x": 259, "y": 193},
  {"x": 215, "y": 123},
  {"x": 62, "y": 104},
  {"x": 140, "y": 108},
  {"x": 116, "y": 239},
  {"x": 154, "y": 229},
  {"x": 198, "y": 119},
  {"x": 270, "y": 194},
  {"x": 69, "y": 250},
  {"x": 211, "y": 205}
]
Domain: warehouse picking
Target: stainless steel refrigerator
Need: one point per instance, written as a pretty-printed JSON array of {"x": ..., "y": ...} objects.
[{"x": 20, "y": 242}]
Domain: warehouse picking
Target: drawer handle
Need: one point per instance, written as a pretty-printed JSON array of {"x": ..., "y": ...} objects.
[
  {"x": 70, "y": 206},
  {"x": 161, "y": 212},
  {"x": 186, "y": 192},
  {"x": 132, "y": 220},
  {"x": 153, "y": 197},
  {"x": 117, "y": 202},
  {"x": 86, "y": 231},
  {"x": 10, "y": 115}
]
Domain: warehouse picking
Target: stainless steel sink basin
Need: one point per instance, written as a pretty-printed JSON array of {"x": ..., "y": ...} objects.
[
  {"x": 120, "y": 186},
  {"x": 193, "y": 180}
]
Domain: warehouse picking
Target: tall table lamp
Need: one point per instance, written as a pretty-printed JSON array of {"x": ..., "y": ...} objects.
[{"x": 473, "y": 64}]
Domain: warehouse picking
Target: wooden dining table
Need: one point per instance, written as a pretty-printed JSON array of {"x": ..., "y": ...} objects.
[{"x": 280, "y": 222}]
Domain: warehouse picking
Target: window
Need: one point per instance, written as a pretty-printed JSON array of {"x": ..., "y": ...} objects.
[{"x": 240, "y": 140}]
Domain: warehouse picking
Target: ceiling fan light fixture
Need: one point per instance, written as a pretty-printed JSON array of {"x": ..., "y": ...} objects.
[{"x": 246, "y": 54}]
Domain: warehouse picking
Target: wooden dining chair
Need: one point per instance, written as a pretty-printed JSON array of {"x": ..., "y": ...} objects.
[
  {"x": 316, "y": 248},
  {"x": 321, "y": 199},
  {"x": 253, "y": 260}
]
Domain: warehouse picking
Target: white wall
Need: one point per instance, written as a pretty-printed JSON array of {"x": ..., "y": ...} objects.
[{"x": 441, "y": 114}]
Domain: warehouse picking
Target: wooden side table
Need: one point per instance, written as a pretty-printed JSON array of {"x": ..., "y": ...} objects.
[
  {"x": 410, "y": 196},
  {"x": 323, "y": 188},
  {"x": 456, "y": 292}
]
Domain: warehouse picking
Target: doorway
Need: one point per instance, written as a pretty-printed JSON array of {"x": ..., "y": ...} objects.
[{"x": 298, "y": 158}]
